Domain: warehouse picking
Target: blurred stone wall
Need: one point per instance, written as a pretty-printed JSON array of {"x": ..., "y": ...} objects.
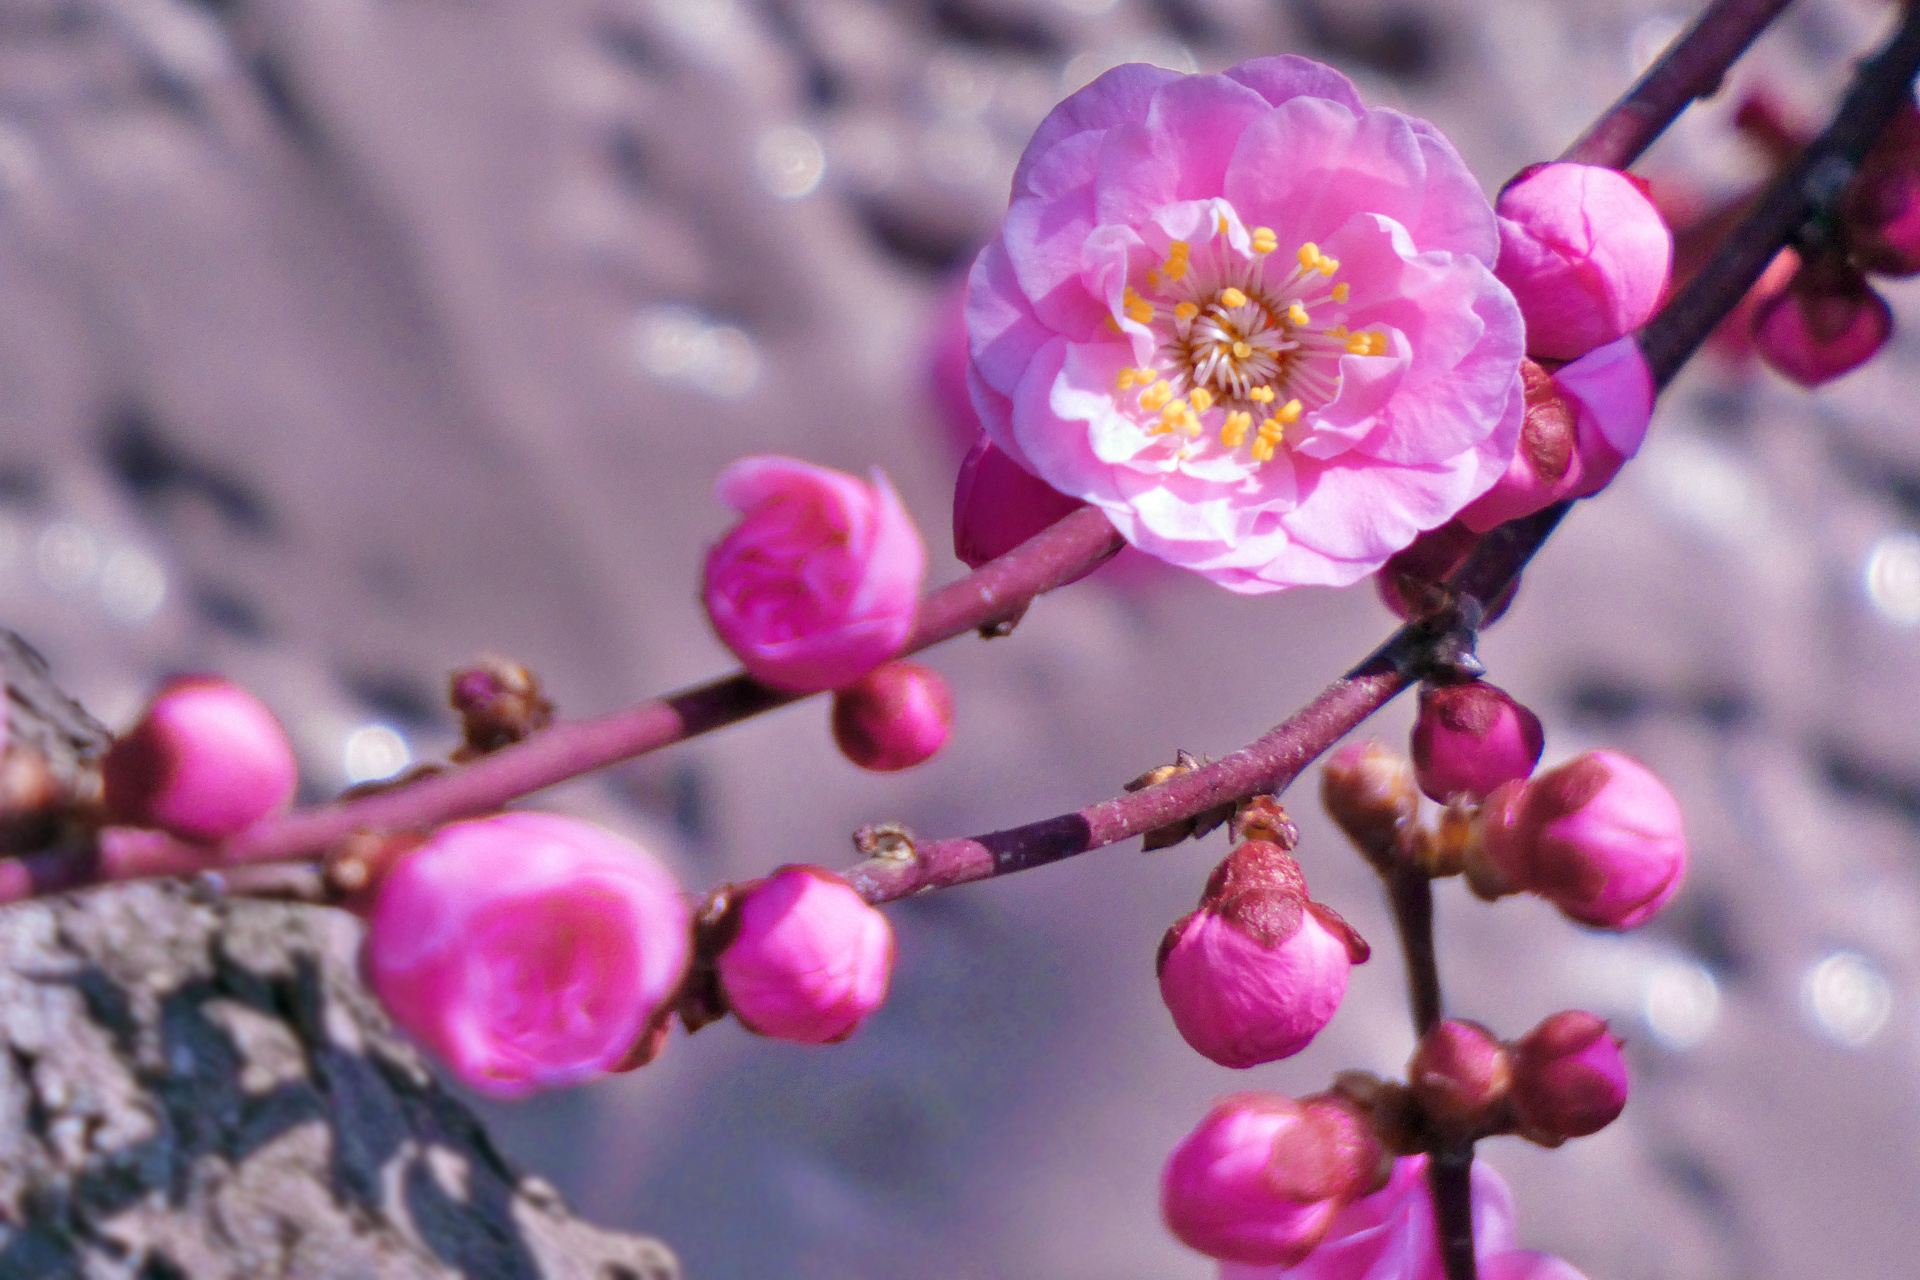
[{"x": 341, "y": 340}]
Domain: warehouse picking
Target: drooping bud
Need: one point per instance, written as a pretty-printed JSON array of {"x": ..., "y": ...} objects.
[
  {"x": 205, "y": 760},
  {"x": 1569, "y": 1079},
  {"x": 1472, "y": 737},
  {"x": 1828, "y": 322},
  {"x": 1600, "y": 837},
  {"x": 894, "y": 717},
  {"x": 1372, "y": 795},
  {"x": 1460, "y": 1075},
  {"x": 811, "y": 959},
  {"x": 527, "y": 950},
  {"x": 998, "y": 504},
  {"x": 1586, "y": 254},
  {"x": 1259, "y": 1181},
  {"x": 1258, "y": 969}
]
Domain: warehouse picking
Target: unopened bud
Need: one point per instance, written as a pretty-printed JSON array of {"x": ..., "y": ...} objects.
[
  {"x": 500, "y": 703},
  {"x": 1460, "y": 1075},
  {"x": 998, "y": 504},
  {"x": 1472, "y": 737},
  {"x": 1545, "y": 466},
  {"x": 1569, "y": 1079},
  {"x": 1254, "y": 974},
  {"x": 811, "y": 959},
  {"x": 206, "y": 760},
  {"x": 894, "y": 717},
  {"x": 1828, "y": 322},
  {"x": 1371, "y": 794}
]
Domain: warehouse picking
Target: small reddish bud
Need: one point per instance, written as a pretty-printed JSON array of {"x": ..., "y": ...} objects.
[
  {"x": 1472, "y": 737},
  {"x": 1600, "y": 837},
  {"x": 811, "y": 959},
  {"x": 1259, "y": 1181},
  {"x": 894, "y": 717},
  {"x": 1585, "y": 253},
  {"x": 1460, "y": 1074},
  {"x": 998, "y": 504},
  {"x": 1828, "y": 322},
  {"x": 1881, "y": 210},
  {"x": 500, "y": 703},
  {"x": 206, "y": 760},
  {"x": 1569, "y": 1079},
  {"x": 1254, "y": 974},
  {"x": 1372, "y": 795}
]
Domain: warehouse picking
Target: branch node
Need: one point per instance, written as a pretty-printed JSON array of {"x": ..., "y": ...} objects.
[{"x": 888, "y": 841}]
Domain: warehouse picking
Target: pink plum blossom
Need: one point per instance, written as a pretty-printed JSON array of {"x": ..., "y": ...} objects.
[
  {"x": 1600, "y": 837},
  {"x": 1586, "y": 254},
  {"x": 205, "y": 761},
  {"x": 811, "y": 959},
  {"x": 1390, "y": 1235},
  {"x": 818, "y": 583},
  {"x": 1569, "y": 1079},
  {"x": 527, "y": 950},
  {"x": 1251, "y": 319},
  {"x": 1261, "y": 1178},
  {"x": 1254, "y": 974},
  {"x": 894, "y": 717},
  {"x": 1472, "y": 737}
]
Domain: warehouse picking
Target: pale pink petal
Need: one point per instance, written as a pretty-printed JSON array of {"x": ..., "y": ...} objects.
[
  {"x": 1179, "y": 152},
  {"x": 1119, "y": 95},
  {"x": 1288, "y": 75}
]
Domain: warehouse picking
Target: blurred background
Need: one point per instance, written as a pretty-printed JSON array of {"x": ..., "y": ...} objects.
[{"x": 343, "y": 339}]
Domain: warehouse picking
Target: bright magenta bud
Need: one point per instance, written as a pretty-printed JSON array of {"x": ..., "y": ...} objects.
[
  {"x": 1260, "y": 1180},
  {"x": 818, "y": 583},
  {"x": 527, "y": 950},
  {"x": 997, "y": 505},
  {"x": 1586, "y": 254},
  {"x": 894, "y": 717},
  {"x": 811, "y": 959},
  {"x": 1828, "y": 322},
  {"x": 1569, "y": 1079},
  {"x": 1600, "y": 837},
  {"x": 206, "y": 760},
  {"x": 1460, "y": 1074},
  {"x": 1254, "y": 974},
  {"x": 1472, "y": 737}
]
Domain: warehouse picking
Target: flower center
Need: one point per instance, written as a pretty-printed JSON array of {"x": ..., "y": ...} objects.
[{"x": 1237, "y": 332}]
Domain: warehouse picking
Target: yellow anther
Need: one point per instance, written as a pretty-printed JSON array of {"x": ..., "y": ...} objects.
[
  {"x": 1139, "y": 309},
  {"x": 1160, "y": 429},
  {"x": 1185, "y": 311},
  {"x": 1288, "y": 413},
  {"x": 1272, "y": 430},
  {"x": 1202, "y": 399},
  {"x": 1232, "y": 297},
  {"x": 1223, "y": 224},
  {"x": 1338, "y": 331},
  {"x": 1126, "y": 379},
  {"x": 1144, "y": 376},
  {"x": 1297, "y": 314},
  {"x": 1241, "y": 351},
  {"x": 1153, "y": 277},
  {"x": 1264, "y": 241},
  {"x": 1359, "y": 345},
  {"x": 1309, "y": 255},
  {"x": 1190, "y": 424},
  {"x": 1328, "y": 266},
  {"x": 1113, "y": 324},
  {"x": 1156, "y": 396},
  {"x": 1179, "y": 249},
  {"x": 1376, "y": 344},
  {"x": 1261, "y": 395},
  {"x": 1340, "y": 291},
  {"x": 1174, "y": 410},
  {"x": 1262, "y": 449},
  {"x": 1234, "y": 431}
]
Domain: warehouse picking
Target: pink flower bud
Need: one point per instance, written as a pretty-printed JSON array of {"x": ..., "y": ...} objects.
[
  {"x": 818, "y": 583},
  {"x": 894, "y": 717},
  {"x": 1569, "y": 1079},
  {"x": 1828, "y": 322},
  {"x": 1586, "y": 255},
  {"x": 1472, "y": 737},
  {"x": 1371, "y": 795},
  {"x": 997, "y": 505},
  {"x": 1460, "y": 1074},
  {"x": 1254, "y": 974},
  {"x": 527, "y": 950},
  {"x": 811, "y": 959},
  {"x": 1545, "y": 467},
  {"x": 1262, "y": 1177},
  {"x": 1599, "y": 837},
  {"x": 206, "y": 760}
]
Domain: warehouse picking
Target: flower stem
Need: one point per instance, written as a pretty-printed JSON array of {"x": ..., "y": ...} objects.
[{"x": 1691, "y": 67}]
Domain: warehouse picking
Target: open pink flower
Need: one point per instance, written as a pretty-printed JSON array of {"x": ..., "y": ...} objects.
[
  {"x": 1390, "y": 1235},
  {"x": 818, "y": 583},
  {"x": 1251, "y": 319},
  {"x": 527, "y": 950}
]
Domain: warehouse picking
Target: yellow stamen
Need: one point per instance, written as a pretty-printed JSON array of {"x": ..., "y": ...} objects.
[
  {"x": 1113, "y": 324},
  {"x": 1309, "y": 255},
  {"x": 1272, "y": 430},
  {"x": 1264, "y": 241},
  {"x": 1235, "y": 429},
  {"x": 1358, "y": 345},
  {"x": 1174, "y": 411},
  {"x": 1125, "y": 380},
  {"x": 1341, "y": 291},
  {"x": 1232, "y": 297},
  {"x": 1376, "y": 344},
  {"x": 1262, "y": 449},
  {"x": 1137, "y": 307},
  {"x": 1297, "y": 314},
  {"x": 1202, "y": 399},
  {"x": 1241, "y": 351},
  {"x": 1186, "y": 311},
  {"x": 1328, "y": 266},
  {"x": 1289, "y": 413},
  {"x": 1156, "y": 396},
  {"x": 1338, "y": 331},
  {"x": 1261, "y": 395},
  {"x": 1223, "y": 224}
]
